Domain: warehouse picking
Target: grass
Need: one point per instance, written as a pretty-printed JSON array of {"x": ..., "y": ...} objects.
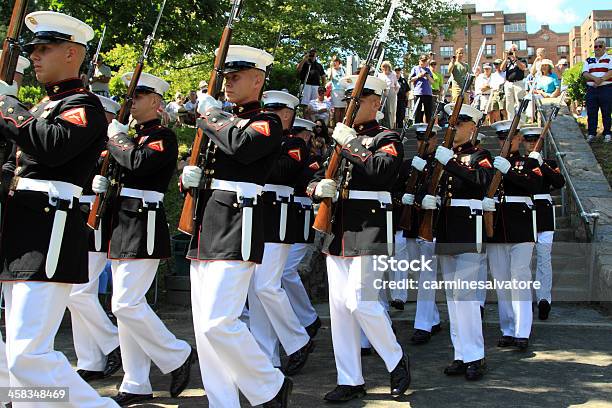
[{"x": 602, "y": 151}]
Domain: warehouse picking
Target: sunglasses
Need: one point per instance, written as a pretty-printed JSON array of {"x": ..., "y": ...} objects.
[
  {"x": 433, "y": 65},
  {"x": 598, "y": 46}
]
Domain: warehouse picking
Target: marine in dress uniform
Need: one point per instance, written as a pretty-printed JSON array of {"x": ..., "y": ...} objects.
[
  {"x": 231, "y": 235},
  {"x": 95, "y": 337},
  {"x": 427, "y": 317},
  {"x": 515, "y": 232},
  {"x": 459, "y": 239},
  {"x": 139, "y": 238},
  {"x": 303, "y": 213},
  {"x": 362, "y": 228},
  {"x": 552, "y": 179},
  {"x": 271, "y": 316},
  {"x": 44, "y": 240}
]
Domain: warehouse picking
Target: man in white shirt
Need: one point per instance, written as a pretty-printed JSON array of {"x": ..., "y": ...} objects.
[
  {"x": 483, "y": 88},
  {"x": 319, "y": 108},
  {"x": 496, "y": 105},
  {"x": 598, "y": 72}
]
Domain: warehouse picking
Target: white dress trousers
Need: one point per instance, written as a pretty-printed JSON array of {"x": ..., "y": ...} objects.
[
  {"x": 230, "y": 359},
  {"x": 512, "y": 262},
  {"x": 401, "y": 252},
  {"x": 351, "y": 310},
  {"x": 482, "y": 277},
  {"x": 544, "y": 265},
  {"x": 463, "y": 305},
  {"x": 93, "y": 334},
  {"x": 292, "y": 283},
  {"x": 142, "y": 335},
  {"x": 271, "y": 315},
  {"x": 34, "y": 312},
  {"x": 427, "y": 314}
]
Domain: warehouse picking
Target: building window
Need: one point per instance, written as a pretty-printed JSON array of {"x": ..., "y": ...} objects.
[
  {"x": 490, "y": 49},
  {"x": 488, "y": 29},
  {"x": 607, "y": 41},
  {"x": 530, "y": 52},
  {"x": 602, "y": 25},
  {"x": 577, "y": 59},
  {"x": 422, "y": 32},
  {"x": 562, "y": 49},
  {"x": 521, "y": 44},
  {"x": 515, "y": 28},
  {"x": 444, "y": 69},
  {"x": 446, "y": 51}
]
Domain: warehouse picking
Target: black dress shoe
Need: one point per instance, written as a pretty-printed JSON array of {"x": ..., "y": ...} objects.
[
  {"x": 366, "y": 351},
  {"x": 180, "y": 376},
  {"x": 281, "y": 400},
  {"x": 475, "y": 370},
  {"x": 113, "y": 362},
  {"x": 313, "y": 328},
  {"x": 124, "y": 399},
  {"x": 298, "y": 359},
  {"x": 400, "y": 377},
  {"x": 90, "y": 375},
  {"x": 521, "y": 343},
  {"x": 436, "y": 328},
  {"x": 543, "y": 309},
  {"x": 420, "y": 337},
  {"x": 505, "y": 341},
  {"x": 343, "y": 393},
  {"x": 457, "y": 367},
  {"x": 397, "y": 304}
]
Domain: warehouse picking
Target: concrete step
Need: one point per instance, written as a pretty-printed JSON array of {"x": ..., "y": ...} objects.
[
  {"x": 565, "y": 235},
  {"x": 563, "y": 222}
]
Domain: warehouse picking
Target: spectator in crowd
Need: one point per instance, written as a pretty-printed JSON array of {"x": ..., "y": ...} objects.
[
  {"x": 514, "y": 87},
  {"x": 597, "y": 71},
  {"x": 458, "y": 71},
  {"x": 437, "y": 85},
  {"x": 560, "y": 68},
  {"x": 337, "y": 72},
  {"x": 548, "y": 82},
  {"x": 320, "y": 140},
  {"x": 101, "y": 77},
  {"x": 390, "y": 107},
  {"x": 495, "y": 107},
  {"x": 421, "y": 79},
  {"x": 402, "y": 98},
  {"x": 482, "y": 87},
  {"x": 191, "y": 106},
  {"x": 176, "y": 110},
  {"x": 320, "y": 107},
  {"x": 202, "y": 89},
  {"x": 537, "y": 62},
  {"x": 309, "y": 66}
]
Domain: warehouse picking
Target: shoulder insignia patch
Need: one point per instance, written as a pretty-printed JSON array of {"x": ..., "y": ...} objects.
[
  {"x": 157, "y": 145},
  {"x": 76, "y": 116},
  {"x": 314, "y": 166},
  {"x": 104, "y": 153},
  {"x": 389, "y": 149},
  {"x": 262, "y": 127},
  {"x": 295, "y": 154},
  {"x": 485, "y": 163},
  {"x": 537, "y": 171}
]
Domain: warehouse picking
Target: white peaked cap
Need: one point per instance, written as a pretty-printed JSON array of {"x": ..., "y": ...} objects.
[{"x": 147, "y": 83}]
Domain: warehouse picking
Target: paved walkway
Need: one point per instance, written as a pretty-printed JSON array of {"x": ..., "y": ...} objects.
[{"x": 568, "y": 364}]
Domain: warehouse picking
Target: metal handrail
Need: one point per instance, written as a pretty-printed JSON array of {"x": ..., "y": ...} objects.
[{"x": 588, "y": 218}]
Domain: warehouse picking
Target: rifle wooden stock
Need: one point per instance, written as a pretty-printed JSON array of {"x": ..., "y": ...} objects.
[
  {"x": 10, "y": 46},
  {"x": 322, "y": 221}
]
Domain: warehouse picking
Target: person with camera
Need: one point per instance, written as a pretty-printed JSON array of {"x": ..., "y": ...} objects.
[
  {"x": 514, "y": 88},
  {"x": 312, "y": 76},
  {"x": 458, "y": 70}
]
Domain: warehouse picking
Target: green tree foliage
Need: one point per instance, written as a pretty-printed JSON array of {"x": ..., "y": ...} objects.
[{"x": 576, "y": 83}]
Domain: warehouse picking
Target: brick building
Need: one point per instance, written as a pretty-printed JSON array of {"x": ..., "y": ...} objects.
[
  {"x": 575, "y": 45},
  {"x": 598, "y": 24},
  {"x": 555, "y": 44}
]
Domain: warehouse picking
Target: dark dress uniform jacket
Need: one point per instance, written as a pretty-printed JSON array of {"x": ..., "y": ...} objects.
[
  {"x": 313, "y": 164},
  {"x": 286, "y": 171},
  {"x": 360, "y": 226},
  {"x": 466, "y": 177},
  {"x": 247, "y": 145},
  {"x": 147, "y": 162},
  {"x": 514, "y": 221},
  {"x": 59, "y": 139},
  {"x": 552, "y": 179}
]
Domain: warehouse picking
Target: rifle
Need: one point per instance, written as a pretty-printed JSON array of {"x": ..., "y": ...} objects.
[
  {"x": 324, "y": 216},
  {"x": 201, "y": 141},
  {"x": 110, "y": 168},
  {"x": 505, "y": 152},
  {"x": 426, "y": 228},
  {"x": 94, "y": 59},
  {"x": 11, "y": 47},
  {"x": 413, "y": 177}
]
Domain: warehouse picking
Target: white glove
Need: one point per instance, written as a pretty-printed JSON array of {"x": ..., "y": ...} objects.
[
  {"x": 443, "y": 155},
  {"x": 488, "y": 204},
  {"x": 429, "y": 202},
  {"x": 115, "y": 128},
  {"x": 191, "y": 177},
  {"x": 326, "y": 188},
  {"x": 99, "y": 185},
  {"x": 501, "y": 164},
  {"x": 408, "y": 199},
  {"x": 418, "y": 163},
  {"x": 537, "y": 156},
  {"x": 6, "y": 89},
  {"x": 343, "y": 134},
  {"x": 207, "y": 102},
  {"x": 379, "y": 116}
]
